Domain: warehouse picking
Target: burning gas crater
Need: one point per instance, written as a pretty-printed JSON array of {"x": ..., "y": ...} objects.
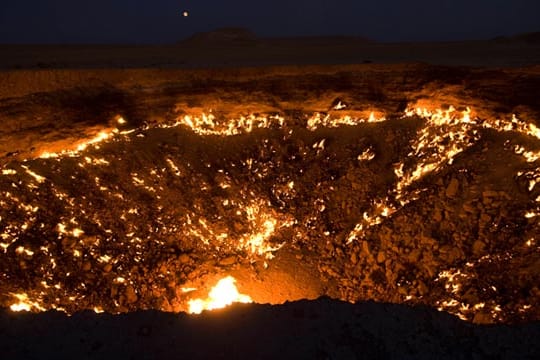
[{"x": 432, "y": 206}]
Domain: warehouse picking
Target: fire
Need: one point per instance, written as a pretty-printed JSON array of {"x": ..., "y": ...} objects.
[
  {"x": 257, "y": 228},
  {"x": 207, "y": 124},
  {"x": 25, "y": 304},
  {"x": 8, "y": 172},
  {"x": 222, "y": 295},
  {"x": 101, "y": 136},
  {"x": 446, "y": 134},
  {"x": 326, "y": 120}
]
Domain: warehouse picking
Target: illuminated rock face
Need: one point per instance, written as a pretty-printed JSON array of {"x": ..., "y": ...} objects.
[{"x": 431, "y": 205}]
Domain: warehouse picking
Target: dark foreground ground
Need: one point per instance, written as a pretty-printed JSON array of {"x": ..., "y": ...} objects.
[{"x": 319, "y": 329}]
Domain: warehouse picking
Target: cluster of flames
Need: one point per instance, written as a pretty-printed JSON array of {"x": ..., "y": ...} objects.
[
  {"x": 223, "y": 294},
  {"x": 446, "y": 134},
  {"x": 207, "y": 124},
  {"x": 262, "y": 219}
]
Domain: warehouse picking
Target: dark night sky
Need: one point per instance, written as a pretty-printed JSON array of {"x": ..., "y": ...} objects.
[{"x": 161, "y": 21}]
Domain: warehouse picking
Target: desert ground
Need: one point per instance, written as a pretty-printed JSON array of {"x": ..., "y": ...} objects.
[
  {"x": 381, "y": 200},
  {"x": 238, "y": 47}
]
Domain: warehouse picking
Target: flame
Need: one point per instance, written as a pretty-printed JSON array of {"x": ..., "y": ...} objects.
[
  {"x": 261, "y": 220},
  {"x": 82, "y": 145},
  {"x": 446, "y": 133},
  {"x": 319, "y": 120},
  {"x": 340, "y": 106},
  {"x": 222, "y": 295},
  {"x": 37, "y": 177},
  {"x": 207, "y": 124},
  {"x": 25, "y": 304}
]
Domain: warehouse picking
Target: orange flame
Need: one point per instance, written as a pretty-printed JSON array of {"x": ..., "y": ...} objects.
[{"x": 222, "y": 295}]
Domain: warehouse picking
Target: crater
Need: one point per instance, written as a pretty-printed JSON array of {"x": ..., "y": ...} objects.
[{"x": 356, "y": 182}]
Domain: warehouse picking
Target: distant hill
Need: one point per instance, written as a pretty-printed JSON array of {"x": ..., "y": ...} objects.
[
  {"x": 223, "y": 35},
  {"x": 530, "y": 37},
  {"x": 239, "y": 35}
]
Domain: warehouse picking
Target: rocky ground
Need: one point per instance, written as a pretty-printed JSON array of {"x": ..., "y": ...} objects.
[{"x": 126, "y": 190}]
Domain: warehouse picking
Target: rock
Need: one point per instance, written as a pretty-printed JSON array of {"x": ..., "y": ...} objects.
[
  {"x": 403, "y": 291},
  {"x": 478, "y": 247},
  {"x": 365, "y": 248},
  {"x": 422, "y": 288},
  {"x": 86, "y": 266},
  {"x": 329, "y": 247},
  {"x": 378, "y": 276},
  {"x": 230, "y": 260},
  {"x": 238, "y": 226},
  {"x": 381, "y": 257},
  {"x": 430, "y": 268},
  {"x": 505, "y": 195},
  {"x": 468, "y": 207},
  {"x": 89, "y": 240},
  {"x": 437, "y": 215},
  {"x": 130, "y": 295},
  {"x": 490, "y": 194},
  {"x": 482, "y": 318},
  {"x": 354, "y": 258},
  {"x": 452, "y": 188},
  {"x": 184, "y": 258},
  {"x": 68, "y": 242},
  {"x": 450, "y": 253},
  {"x": 163, "y": 269},
  {"x": 385, "y": 235},
  {"x": 427, "y": 240},
  {"x": 485, "y": 218},
  {"x": 414, "y": 256}
]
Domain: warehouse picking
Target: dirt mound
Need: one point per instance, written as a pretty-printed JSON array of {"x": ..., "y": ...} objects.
[{"x": 321, "y": 329}]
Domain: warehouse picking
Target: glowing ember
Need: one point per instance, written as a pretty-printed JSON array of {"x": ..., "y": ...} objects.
[
  {"x": 82, "y": 145},
  {"x": 223, "y": 294}
]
